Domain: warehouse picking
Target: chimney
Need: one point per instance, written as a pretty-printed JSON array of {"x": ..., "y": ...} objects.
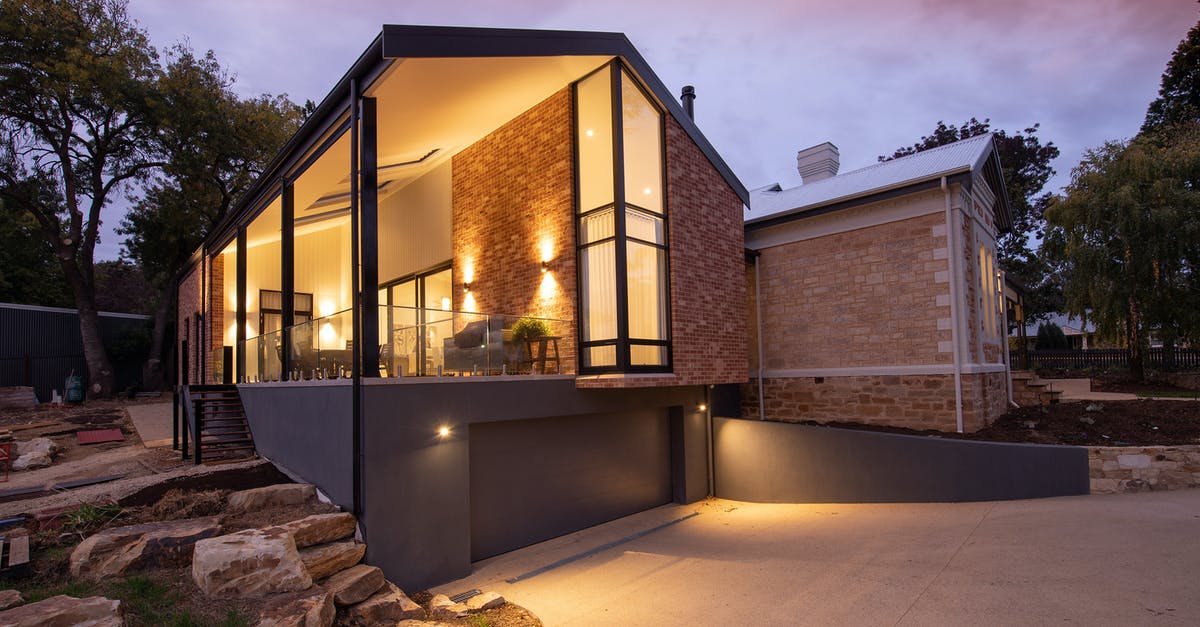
[
  {"x": 688, "y": 98},
  {"x": 818, "y": 163}
]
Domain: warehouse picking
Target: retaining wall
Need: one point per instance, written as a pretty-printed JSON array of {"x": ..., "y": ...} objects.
[{"x": 1143, "y": 468}]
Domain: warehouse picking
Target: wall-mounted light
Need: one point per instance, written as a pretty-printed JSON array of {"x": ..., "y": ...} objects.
[
  {"x": 703, "y": 407},
  {"x": 443, "y": 432},
  {"x": 545, "y": 267},
  {"x": 467, "y": 287}
]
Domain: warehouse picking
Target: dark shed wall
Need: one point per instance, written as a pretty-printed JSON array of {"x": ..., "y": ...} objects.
[
  {"x": 306, "y": 429},
  {"x": 775, "y": 462}
]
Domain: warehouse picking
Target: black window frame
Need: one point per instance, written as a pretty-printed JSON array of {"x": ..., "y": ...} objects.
[{"x": 623, "y": 342}]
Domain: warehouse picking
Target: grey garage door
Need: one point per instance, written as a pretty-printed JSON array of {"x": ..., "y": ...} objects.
[{"x": 532, "y": 480}]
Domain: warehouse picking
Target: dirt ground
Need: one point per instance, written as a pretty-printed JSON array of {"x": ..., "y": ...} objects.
[{"x": 1085, "y": 423}]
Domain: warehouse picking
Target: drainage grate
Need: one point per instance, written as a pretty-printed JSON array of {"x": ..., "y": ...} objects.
[{"x": 463, "y": 596}]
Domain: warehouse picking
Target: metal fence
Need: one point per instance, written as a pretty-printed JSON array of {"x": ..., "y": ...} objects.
[{"x": 1112, "y": 358}]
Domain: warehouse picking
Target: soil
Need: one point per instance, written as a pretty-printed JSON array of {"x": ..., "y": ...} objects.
[
  {"x": 1148, "y": 387},
  {"x": 507, "y": 615},
  {"x": 1085, "y": 423}
]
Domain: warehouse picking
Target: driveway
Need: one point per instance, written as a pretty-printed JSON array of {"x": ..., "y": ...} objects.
[{"x": 1097, "y": 560}]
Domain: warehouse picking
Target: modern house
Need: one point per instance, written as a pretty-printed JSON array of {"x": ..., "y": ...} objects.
[
  {"x": 874, "y": 294},
  {"x": 482, "y": 295}
]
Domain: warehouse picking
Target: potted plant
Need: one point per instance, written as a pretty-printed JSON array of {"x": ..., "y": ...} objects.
[{"x": 527, "y": 329}]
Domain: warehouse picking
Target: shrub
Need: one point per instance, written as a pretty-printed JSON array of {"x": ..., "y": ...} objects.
[
  {"x": 529, "y": 328},
  {"x": 1051, "y": 336}
]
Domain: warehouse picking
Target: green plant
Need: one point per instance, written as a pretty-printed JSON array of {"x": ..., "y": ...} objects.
[
  {"x": 530, "y": 328},
  {"x": 1050, "y": 336},
  {"x": 479, "y": 621},
  {"x": 90, "y": 517}
]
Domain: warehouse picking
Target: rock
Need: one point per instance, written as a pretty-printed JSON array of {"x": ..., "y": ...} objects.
[
  {"x": 442, "y": 608},
  {"x": 10, "y": 598},
  {"x": 1133, "y": 461},
  {"x": 36, "y": 445},
  {"x": 485, "y": 601},
  {"x": 386, "y": 606},
  {"x": 327, "y": 559},
  {"x": 63, "y": 611},
  {"x": 271, "y": 496},
  {"x": 1087, "y": 420},
  {"x": 321, "y": 528},
  {"x": 251, "y": 563},
  {"x": 355, "y": 584},
  {"x": 31, "y": 461},
  {"x": 115, "y": 552},
  {"x": 308, "y": 608},
  {"x": 1093, "y": 407}
]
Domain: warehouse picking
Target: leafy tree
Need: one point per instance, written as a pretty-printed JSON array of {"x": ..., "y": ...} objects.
[
  {"x": 1129, "y": 231},
  {"x": 216, "y": 145},
  {"x": 1179, "y": 93},
  {"x": 77, "y": 125},
  {"x": 29, "y": 274},
  {"x": 1050, "y": 336},
  {"x": 1025, "y": 161}
]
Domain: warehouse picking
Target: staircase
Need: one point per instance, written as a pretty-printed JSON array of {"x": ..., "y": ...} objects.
[
  {"x": 1029, "y": 390},
  {"x": 216, "y": 422}
]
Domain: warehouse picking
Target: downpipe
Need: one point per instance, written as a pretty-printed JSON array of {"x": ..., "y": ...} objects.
[
  {"x": 762, "y": 403},
  {"x": 953, "y": 252}
]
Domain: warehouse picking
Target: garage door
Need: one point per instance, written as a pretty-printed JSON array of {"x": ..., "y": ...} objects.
[{"x": 532, "y": 480}]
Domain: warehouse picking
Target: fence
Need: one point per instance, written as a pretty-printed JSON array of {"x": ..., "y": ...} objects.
[{"x": 1154, "y": 358}]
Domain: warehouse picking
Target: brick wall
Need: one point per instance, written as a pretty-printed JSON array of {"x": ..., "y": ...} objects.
[
  {"x": 513, "y": 191},
  {"x": 985, "y": 398},
  {"x": 912, "y": 401},
  {"x": 707, "y": 253},
  {"x": 867, "y": 297}
]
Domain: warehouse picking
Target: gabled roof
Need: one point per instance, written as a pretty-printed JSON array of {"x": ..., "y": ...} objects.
[
  {"x": 772, "y": 204},
  {"x": 413, "y": 42}
]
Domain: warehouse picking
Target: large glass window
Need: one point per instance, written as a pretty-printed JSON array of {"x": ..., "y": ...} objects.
[{"x": 624, "y": 315}]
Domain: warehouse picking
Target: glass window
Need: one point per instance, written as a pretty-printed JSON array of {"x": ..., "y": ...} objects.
[{"x": 629, "y": 228}]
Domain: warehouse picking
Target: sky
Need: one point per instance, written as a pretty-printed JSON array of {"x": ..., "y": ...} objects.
[{"x": 771, "y": 78}]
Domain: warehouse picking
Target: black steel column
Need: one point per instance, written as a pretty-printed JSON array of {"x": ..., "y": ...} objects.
[
  {"x": 368, "y": 225},
  {"x": 287, "y": 273},
  {"x": 355, "y": 310},
  {"x": 619, "y": 222},
  {"x": 240, "y": 332}
]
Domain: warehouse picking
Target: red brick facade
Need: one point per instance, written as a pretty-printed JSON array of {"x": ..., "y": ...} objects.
[{"x": 513, "y": 193}]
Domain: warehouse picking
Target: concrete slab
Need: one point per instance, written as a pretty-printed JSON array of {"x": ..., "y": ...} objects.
[
  {"x": 1081, "y": 390},
  {"x": 153, "y": 423},
  {"x": 1110, "y": 559}
]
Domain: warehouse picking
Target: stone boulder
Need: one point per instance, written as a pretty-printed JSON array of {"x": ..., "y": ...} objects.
[
  {"x": 326, "y": 559},
  {"x": 321, "y": 528},
  {"x": 309, "y": 608},
  {"x": 271, "y": 496},
  {"x": 355, "y": 584},
  {"x": 32, "y": 461},
  {"x": 115, "y": 552},
  {"x": 65, "y": 611},
  {"x": 386, "y": 606},
  {"x": 10, "y": 598},
  {"x": 485, "y": 601},
  {"x": 251, "y": 563},
  {"x": 442, "y": 608},
  {"x": 35, "y": 445}
]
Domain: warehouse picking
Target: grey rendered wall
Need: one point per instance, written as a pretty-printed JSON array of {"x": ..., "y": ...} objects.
[
  {"x": 774, "y": 462},
  {"x": 307, "y": 430},
  {"x": 417, "y": 485}
]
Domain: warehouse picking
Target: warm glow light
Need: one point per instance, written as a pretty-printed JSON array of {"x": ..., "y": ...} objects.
[
  {"x": 589, "y": 132},
  {"x": 703, "y": 407},
  {"x": 647, "y": 191},
  {"x": 548, "y": 287},
  {"x": 445, "y": 303},
  {"x": 443, "y": 432},
  {"x": 469, "y": 271},
  {"x": 326, "y": 308},
  {"x": 328, "y": 336},
  {"x": 469, "y": 303},
  {"x": 547, "y": 249}
]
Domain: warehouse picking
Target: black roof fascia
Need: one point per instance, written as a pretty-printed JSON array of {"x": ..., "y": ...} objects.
[
  {"x": 961, "y": 177},
  {"x": 454, "y": 41}
]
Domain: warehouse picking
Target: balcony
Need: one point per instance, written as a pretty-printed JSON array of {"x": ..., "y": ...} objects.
[{"x": 415, "y": 342}]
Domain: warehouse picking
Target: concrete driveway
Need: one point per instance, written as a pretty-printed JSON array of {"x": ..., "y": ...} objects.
[{"x": 1094, "y": 560}]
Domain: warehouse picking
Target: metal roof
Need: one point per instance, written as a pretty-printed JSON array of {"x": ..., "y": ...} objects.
[{"x": 967, "y": 155}]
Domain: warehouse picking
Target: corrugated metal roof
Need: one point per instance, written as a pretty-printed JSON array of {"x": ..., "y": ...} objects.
[{"x": 961, "y": 156}]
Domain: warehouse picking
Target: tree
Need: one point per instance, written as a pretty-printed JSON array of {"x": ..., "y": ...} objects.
[
  {"x": 1129, "y": 230},
  {"x": 1050, "y": 336},
  {"x": 1179, "y": 92},
  {"x": 77, "y": 125},
  {"x": 29, "y": 274},
  {"x": 1025, "y": 161},
  {"x": 216, "y": 145}
]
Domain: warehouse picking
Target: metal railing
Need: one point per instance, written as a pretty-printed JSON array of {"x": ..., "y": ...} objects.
[{"x": 1104, "y": 358}]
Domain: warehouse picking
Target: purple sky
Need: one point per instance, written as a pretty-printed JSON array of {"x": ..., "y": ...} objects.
[{"x": 771, "y": 77}]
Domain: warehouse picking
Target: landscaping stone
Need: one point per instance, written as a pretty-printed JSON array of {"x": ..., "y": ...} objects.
[
  {"x": 32, "y": 461},
  {"x": 115, "y": 552},
  {"x": 35, "y": 445},
  {"x": 308, "y": 608},
  {"x": 355, "y": 584},
  {"x": 65, "y": 611},
  {"x": 10, "y": 598},
  {"x": 1133, "y": 461},
  {"x": 387, "y": 605},
  {"x": 321, "y": 528},
  {"x": 485, "y": 601},
  {"x": 1142, "y": 468},
  {"x": 271, "y": 496},
  {"x": 327, "y": 559},
  {"x": 251, "y": 563},
  {"x": 442, "y": 608}
]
